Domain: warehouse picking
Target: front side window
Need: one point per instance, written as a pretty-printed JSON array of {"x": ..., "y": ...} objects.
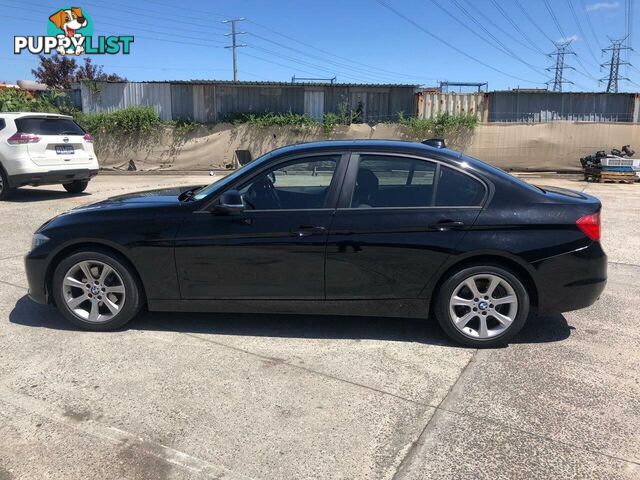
[
  {"x": 301, "y": 184},
  {"x": 388, "y": 181}
]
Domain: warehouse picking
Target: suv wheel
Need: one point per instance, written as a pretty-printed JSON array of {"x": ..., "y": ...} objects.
[
  {"x": 482, "y": 306},
  {"x": 77, "y": 186},
  {"x": 5, "y": 190},
  {"x": 96, "y": 290}
]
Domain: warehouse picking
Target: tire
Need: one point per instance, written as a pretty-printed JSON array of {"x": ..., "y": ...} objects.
[
  {"x": 77, "y": 186},
  {"x": 5, "y": 190},
  {"x": 119, "y": 288},
  {"x": 490, "y": 324}
]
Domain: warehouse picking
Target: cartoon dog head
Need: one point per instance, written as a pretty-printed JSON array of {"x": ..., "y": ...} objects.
[{"x": 69, "y": 20}]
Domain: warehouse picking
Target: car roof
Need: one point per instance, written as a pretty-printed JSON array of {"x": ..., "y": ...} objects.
[
  {"x": 379, "y": 145},
  {"x": 33, "y": 114}
]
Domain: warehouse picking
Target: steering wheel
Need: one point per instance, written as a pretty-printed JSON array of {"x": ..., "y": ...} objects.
[{"x": 264, "y": 194}]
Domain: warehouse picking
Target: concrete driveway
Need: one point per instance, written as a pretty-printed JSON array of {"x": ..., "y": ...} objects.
[{"x": 287, "y": 397}]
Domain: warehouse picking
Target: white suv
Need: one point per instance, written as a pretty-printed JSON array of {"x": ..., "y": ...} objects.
[{"x": 44, "y": 149}]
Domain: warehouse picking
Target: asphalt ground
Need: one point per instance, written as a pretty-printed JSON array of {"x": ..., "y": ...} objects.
[{"x": 287, "y": 397}]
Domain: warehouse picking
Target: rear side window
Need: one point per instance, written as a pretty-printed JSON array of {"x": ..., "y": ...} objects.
[
  {"x": 48, "y": 126},
  {"x": 389, "y": 181},
  {"x": 456, "y": 189},
  {"x": 2, "y": 123}
]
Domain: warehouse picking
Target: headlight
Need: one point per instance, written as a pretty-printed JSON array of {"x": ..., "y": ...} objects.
[{"x": 37, "y": 240}]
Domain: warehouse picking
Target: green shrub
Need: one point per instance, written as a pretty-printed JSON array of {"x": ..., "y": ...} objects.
[
  {"x": 270, "y": 119},
  {"x": 13, "y": 100},
  {"x": 330, "y": 121},
  {"x": 184, "y": 126},
  {"x": 125, "y": 121},
  {"x": 441, "y": 126}
]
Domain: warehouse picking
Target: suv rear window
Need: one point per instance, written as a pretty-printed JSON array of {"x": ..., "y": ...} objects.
[{"x": 48, "y": 126}]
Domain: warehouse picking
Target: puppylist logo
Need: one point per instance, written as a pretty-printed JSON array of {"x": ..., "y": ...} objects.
[{"x": 70, "y": 32}]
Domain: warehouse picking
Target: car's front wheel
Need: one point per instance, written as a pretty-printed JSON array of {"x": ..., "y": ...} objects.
[
  {"x": 77, "y": 186},
  {"x": 482, "y": 305},
  {"x": 96, "y": 290}
]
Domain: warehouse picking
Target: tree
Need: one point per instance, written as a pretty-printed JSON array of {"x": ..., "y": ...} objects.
[
  {"x": 89, "y": 71},
  {"x": 60, "y": 72},
  {"x": 56, "y": 71}
]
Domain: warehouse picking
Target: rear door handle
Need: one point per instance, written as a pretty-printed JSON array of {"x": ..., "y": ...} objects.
[
  {"x": 307, "y": 230},
  {"x": 444, "y": 225}
]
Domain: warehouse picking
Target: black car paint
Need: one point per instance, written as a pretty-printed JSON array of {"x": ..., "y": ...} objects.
[{"x": 385, "y": 261}]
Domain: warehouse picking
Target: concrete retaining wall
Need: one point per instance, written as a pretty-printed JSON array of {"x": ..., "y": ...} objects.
[{"x": 540, "y": 147}]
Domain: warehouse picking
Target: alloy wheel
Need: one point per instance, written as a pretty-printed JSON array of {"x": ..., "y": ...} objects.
[
  {"x": 483, "y": 306},
  {"x": 93, "y": 291}
]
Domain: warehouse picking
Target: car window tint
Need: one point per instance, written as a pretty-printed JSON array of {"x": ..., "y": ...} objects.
[
  {"x": 388, "y": 181},
  {"x": 48, "y": 126},
  {"x": 457, "y": 189},
  {"x": 301, "y": 184}
]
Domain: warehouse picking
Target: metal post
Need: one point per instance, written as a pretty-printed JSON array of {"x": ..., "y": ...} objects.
[{"x": 234, "y": 45}]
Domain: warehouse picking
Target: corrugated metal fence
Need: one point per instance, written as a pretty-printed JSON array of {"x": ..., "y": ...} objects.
[
  {"x": 432, "y": 104},
  {"x": 212, "y": 101},
  {"x": 536, "y": 107}
]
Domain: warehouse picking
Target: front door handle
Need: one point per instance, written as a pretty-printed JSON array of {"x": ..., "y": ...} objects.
[
  {"x": 444, "y": 225},
  {"x": 307, "y": 230}
]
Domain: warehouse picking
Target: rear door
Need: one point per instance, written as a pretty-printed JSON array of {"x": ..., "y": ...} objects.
[
  {"x": 399, "y": 219},
  {"x": 61, "y": 141}
]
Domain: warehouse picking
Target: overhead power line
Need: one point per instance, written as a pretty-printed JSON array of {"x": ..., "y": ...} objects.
[
  {"x": 554, "y": 18},
  {"x": 504, "y": 13},
  {"x": 533, "y": 22},
  {"x": 494, "y": 25},
  {"x": 499, "y": 45},
  {"x": 325, "y": 52},
  {"x": 579, "y": 25},
  {"x": 449, "y": 45},
  {"x": 346, "y": 66}
]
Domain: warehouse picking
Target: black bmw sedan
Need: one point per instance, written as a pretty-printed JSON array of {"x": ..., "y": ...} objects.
[{"x": 382, "y": 228}]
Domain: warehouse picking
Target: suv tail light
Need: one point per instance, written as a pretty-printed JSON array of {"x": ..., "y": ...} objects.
[
  {"x": 590, "y": 225},
  {"x": 20, "y": 138},
  {"x": 88, "y": 138}
]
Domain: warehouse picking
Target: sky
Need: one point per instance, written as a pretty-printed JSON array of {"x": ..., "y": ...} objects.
[{"x": 422, "y": 42}]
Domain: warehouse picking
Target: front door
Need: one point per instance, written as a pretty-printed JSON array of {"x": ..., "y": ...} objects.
[
  {"x": 398, "y": 220},
  {"x": 275, "y": 249}
]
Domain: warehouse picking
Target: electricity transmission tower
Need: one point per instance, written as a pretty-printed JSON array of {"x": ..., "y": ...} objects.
[
  {"x": 614, "y": 64},
  {"x": 562, "y": 49},
  {"x": 234, "y": 45}
]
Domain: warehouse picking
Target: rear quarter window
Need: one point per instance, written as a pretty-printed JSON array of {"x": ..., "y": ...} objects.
[
  {"x": 457, "y": 189},
  {"x": 48, "y": 126},
  {"x": 2, "y": 123}
]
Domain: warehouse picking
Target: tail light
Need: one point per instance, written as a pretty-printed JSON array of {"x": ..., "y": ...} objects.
[
  {"x": 88, "y": 138},
  {"x": 590, "y": 225},
  {"x": 20, "y": 138}
]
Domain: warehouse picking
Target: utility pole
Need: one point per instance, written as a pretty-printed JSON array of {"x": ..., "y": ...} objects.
[
  {"x": 234, "y": 44},
  {"x": 614, "y": 64},
  {"x": 562, "y": 49}
]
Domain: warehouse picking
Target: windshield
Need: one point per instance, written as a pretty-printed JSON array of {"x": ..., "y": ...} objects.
[{"x": 220, "y": 183}]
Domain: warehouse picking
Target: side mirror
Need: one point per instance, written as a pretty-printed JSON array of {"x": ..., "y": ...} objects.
[{"x": 230, "y": 203}]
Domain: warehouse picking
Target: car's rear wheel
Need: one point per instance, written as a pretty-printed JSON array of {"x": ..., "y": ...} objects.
[
  {"x": 5, "y": 190},
  {"x": 482, "y": 305},
  {"x": 77, "y": 186},
  {"x": 96, "y": 290}
]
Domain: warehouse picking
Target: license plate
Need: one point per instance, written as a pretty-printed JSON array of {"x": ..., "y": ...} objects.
[{"x": 64, "y": 149}]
